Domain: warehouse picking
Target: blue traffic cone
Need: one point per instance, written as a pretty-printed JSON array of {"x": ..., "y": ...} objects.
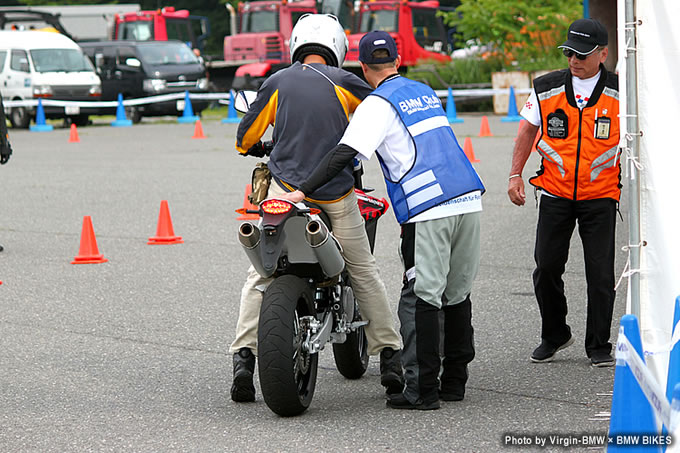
[
  {"x": 231, "y": 112},
  {"x": 631, "y": 413},
  {"x": 40, "y": 125},
  {"x": 675, "y": 418},
  {"x": 675, "y": 406},
  {"x": 674, "y": 362},
  {"x": 512, "y": 108},
  {"x": 121, "y": 119},
  {"x": 188, "y": 113},
  {"x": 451, "y": 109}
]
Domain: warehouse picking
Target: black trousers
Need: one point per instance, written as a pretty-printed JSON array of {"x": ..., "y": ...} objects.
[{"x": 596, "y": 219}]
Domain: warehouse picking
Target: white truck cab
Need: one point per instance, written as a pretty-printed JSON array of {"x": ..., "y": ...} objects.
[{"x": 39, "y": 64}]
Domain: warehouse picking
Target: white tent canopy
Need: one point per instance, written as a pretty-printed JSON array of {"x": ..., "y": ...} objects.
[{"x": 657, "y": 167}]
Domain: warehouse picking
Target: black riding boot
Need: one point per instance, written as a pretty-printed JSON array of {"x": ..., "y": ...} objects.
[
  {"x": 459, "y": 350},
  {"x": 391, "y": 374},
  {"x": 242, "y": 388}
]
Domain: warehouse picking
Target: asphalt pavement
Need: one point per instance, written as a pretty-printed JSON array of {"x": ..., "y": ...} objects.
[{"x": 132, "y": 354}]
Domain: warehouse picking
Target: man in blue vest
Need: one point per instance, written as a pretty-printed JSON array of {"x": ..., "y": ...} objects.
[{"x": 436, "y": 195}]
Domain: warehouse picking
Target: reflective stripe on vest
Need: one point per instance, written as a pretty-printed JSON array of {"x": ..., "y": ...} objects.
[{"x": 445, "y": 172}]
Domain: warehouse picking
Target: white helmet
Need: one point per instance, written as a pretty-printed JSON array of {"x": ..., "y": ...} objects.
[{"x": 319, "y": 34}]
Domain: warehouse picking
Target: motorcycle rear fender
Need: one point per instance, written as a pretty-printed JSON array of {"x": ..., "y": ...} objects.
[
  {"x": 289, "y": 241},
  {"x": 296, "y": 247}
]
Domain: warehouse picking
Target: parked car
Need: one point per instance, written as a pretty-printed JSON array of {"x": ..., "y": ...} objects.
[
  {"x": 139, "y": 69},
  {"x": 38, "y": 64}
]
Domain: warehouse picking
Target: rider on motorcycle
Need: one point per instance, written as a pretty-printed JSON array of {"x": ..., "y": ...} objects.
[{"x": 309, "y": 104}]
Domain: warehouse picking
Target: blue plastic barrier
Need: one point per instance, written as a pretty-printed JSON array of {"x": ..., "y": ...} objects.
[
  {"x": 121, "y": 119},
  {"x": 512, "y": 108},
  {"x": 40, "y": 125}
]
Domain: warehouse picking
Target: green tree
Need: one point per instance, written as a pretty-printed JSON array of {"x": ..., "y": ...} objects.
[{"x": 525, "y": 34}]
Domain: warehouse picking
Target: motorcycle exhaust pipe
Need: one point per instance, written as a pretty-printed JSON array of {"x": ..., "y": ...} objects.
[
  {"x": 249, "y": 237},
  {"x": 325, "y": 248}
]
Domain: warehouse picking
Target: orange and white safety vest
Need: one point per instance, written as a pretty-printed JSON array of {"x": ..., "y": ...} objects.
[{"x": 579, "y": 147}]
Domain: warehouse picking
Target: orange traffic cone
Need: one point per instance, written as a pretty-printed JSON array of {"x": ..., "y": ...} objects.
[
  {"x": 73, "y": 138},
  {"x": 484, "y": 130},
  {"x": 164, "y": 231},
  {"x": 198, "y": 130},
  {"x": 248, "y": 205},
  {"x": 88, "y": 253},
  {"x": 469, "y": 152}
]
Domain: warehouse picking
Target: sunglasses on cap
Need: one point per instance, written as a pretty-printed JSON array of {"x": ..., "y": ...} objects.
[{"x": 570, "y": 53}]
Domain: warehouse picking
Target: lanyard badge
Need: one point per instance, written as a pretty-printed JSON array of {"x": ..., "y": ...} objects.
[{"x": 602, "y": 126}]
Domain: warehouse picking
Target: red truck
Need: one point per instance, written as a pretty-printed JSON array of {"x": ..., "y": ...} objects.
[
  {"x": 415, "y": 27},
  {"x": 260, "y": 46},
  {"x": 161, "y": 25}
]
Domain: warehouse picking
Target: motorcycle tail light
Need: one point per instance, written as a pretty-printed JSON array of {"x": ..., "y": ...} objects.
[{"x": 276, "y": 207}]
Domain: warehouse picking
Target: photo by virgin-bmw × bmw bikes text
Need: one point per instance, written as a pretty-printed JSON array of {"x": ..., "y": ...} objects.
[{"x": 309, "y": 302}]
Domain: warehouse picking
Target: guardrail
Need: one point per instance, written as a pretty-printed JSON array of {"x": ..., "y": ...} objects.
[
  {"x": 127, "y": 102},
  {"x": 223, "y": 98}
]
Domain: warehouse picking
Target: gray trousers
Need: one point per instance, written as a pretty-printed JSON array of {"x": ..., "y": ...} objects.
[{"x": 441, "y": 260}]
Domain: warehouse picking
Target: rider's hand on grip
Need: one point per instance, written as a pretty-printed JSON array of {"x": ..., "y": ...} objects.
[
  {"x": 268, "y": 147},
  {"x": 257, "y": 150}
]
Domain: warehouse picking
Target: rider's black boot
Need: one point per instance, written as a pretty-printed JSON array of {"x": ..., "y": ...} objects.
[
  {"x": 1, "y": 248},
  {"x": 391, "y": 374},
  {"x": 242, "y": 388}
]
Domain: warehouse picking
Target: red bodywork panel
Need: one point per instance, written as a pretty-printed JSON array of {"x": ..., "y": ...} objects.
[{"x": 254, "y": 70}]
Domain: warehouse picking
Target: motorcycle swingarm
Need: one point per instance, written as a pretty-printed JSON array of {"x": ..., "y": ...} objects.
[{"x": 322, "y": 332}]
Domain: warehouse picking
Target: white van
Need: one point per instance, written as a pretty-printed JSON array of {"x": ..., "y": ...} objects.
[{"x": 38, "y": 64}]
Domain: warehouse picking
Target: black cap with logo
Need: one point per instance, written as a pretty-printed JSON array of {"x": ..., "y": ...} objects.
[{"x": 585, "y": 35}]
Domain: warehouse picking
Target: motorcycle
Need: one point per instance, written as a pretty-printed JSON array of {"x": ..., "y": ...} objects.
[{"x": 309, "y": 302}]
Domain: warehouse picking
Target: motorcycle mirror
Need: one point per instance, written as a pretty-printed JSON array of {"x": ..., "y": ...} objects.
[{"x": 243, "y": 100}]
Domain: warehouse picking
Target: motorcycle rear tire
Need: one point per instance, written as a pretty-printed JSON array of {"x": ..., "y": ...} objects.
[
  {"x": 287, "y": 374},
  {"x": 351, "y": 357}
]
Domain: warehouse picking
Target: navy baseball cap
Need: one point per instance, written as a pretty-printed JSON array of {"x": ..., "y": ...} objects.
[
  {"x": 585, "y": 35},
  {"x": 374, "y": 40}
]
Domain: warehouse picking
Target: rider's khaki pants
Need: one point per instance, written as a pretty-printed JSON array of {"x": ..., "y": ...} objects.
[{"x": 348, "y": 228}]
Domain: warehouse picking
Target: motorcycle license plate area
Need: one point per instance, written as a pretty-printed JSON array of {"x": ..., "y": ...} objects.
[
  {"x": 72, "y": 110},
  {"x": 180, "y": 105}
]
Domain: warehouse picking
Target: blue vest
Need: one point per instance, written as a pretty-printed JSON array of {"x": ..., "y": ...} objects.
[{"x": 440, "y": 171}]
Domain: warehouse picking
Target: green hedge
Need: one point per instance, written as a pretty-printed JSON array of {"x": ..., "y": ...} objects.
[{"x": 460, "y": 73}]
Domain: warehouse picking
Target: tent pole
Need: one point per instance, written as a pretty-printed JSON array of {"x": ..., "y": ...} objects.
[{"x": 633, "y": 143}]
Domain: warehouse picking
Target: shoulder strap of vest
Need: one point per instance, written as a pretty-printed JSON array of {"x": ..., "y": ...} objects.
[{"x": 551, "y": 80}]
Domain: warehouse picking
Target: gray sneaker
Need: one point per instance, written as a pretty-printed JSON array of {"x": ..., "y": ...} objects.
[{"x": 601, "y": 359}]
